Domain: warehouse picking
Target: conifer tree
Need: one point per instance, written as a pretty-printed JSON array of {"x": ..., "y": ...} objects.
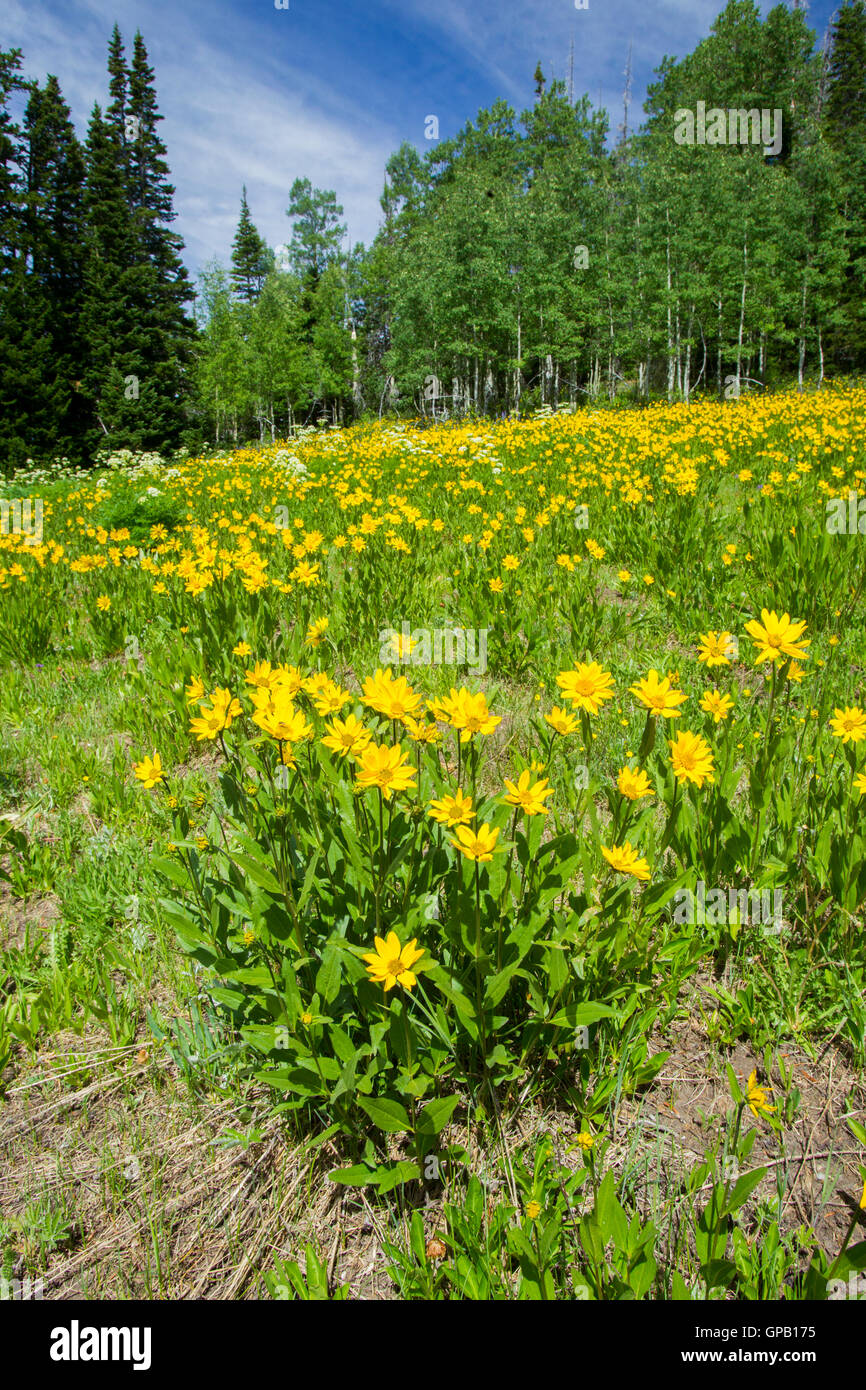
[
  {"x": 117, "y": 284},
  {"x": 24, "y": 353},
  {"x": 251, "y": 257},
  {"x": 845, "y": 121},
  {"x": 168, "y": 331},
  {"x": 55, "y": 236}
]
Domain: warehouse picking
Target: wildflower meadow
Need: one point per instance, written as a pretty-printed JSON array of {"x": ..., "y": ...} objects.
[
  {"x": 432, "y": 675},
  {"x": 530, "y": 966}
]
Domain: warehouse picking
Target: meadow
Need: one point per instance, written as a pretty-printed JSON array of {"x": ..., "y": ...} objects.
[{"x": 433, "y": 862}]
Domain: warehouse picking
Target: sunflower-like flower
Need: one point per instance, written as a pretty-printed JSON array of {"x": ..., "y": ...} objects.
[
  {"x": 691, "y": 759},
  {"x": 627, "y": 861},
  {"x": 717, "y": 704},
  {"x": 528, "y": 795},
  {"x": 421, "y": 730},
  {"x": 217, "y": 716},
  {"x": 346, "y": 736},
  {"x": 587, "y": 686},
  {"x": 281, "y": 720},
  {"x": 634, "y": 783},
  {"x": 263, "y": 676},
  {"x": 778, "y": 637},
  {"x": 756, "y": 1097},
  {"x": 561, "y": 720},
  {"x": 316, "y": 632},
  {"x": 330, "y": 698},
  {"x": 401, "y": 646},
  {"x": 395, "y": 699},
  {"x": 477, "y": 845},
  {"x": 149, "y": 771},
  {"x": 469, "y": 714},
  {"x": 391, "y": 964},
  {"x": 452, "y": 810},
  {"x": 658, "y": 695},
  {"x": 385, "y": 768},
  {"x": 305, "y": 574},
  {"x": 716, "y": 648},
  {"x": 290, "y": 679},
  {"x": 849, "y": 724}
]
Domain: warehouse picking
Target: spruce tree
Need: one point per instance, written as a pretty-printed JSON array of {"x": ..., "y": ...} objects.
[
  {"x": 168, "y": 331},
  {"x": 845, "y": 109},
  {"x": 117, "y": 112},
  {"x": 25, "y": 354},
  {"x": 12, "y": 158},
  {"x": 251, "y": 258},
  {"x": 115, "y": 312},
  {"x": 845, "y": 123},
  {"x": 55, "y": 235}
]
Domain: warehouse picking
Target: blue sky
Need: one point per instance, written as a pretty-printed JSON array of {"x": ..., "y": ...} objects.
[{"x": 327, "y": 89}]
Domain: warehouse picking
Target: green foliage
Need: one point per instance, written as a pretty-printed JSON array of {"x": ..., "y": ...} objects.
[{"x": 128, "y": 507}]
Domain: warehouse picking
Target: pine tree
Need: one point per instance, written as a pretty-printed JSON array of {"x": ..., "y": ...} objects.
[
  {"x": 24, "y": 349},
  {"x": 117, "y": 286},
  {"x": 167, "y": 330},
  {"x": 12, "y": 159},
  {"x": 55, "y": 235},
  {"x": 251, "y": 258},
  {"x": 845, "y": 109},
  {"x": 117, "y": 111},
  {"x": 845, "y": 122}
]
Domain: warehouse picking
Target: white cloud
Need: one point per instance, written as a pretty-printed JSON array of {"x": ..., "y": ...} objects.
[
  {"x": 234, "y": 114},
  {"x": 328, "y": 90}
]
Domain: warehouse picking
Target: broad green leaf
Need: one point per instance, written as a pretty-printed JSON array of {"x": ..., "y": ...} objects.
[{"x": 386, "y": 1114}]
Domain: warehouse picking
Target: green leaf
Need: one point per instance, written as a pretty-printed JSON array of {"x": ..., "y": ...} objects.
[
  {"x": 173, "y": 870},
  {"x": 359, "y": 1175},
  {"x": 342, "y": 1044},
  {"x": 497, "y": 985},
  {"x": 734, "y": 1084},
  {"x": 718, "y": 1273},
  {"x": 435, "y": 1116},
  {"x": 743, "y": 1189},
  {"x": 328, "y": 976},
  {"x": 609, "y": 1213},
  {"x": 296, "y": 1079},
  {"x": 386, "y": 1114},
  {"x": 581, "y": 1015},
  {"x": 461, "y": 1003},
  {"x": 257, "y": 871},
  {"x": 858, "y": 1130},
  {"x": 390, "y": 1176}
]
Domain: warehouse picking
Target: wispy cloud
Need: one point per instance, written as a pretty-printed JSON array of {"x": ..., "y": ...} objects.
[{"x": 328, "y": 89}]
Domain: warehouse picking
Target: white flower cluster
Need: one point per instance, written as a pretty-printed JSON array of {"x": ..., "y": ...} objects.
[
  {"x": 291, "y": 463},
  {"x": 132, "y": 465},
  {"x": 30, "y": 475}
]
